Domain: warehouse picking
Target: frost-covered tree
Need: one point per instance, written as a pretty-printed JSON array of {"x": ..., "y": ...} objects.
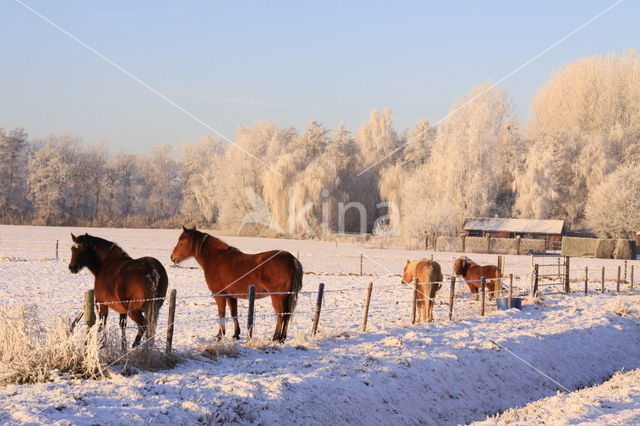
[
  {"x": 198, "y": 170},
  {"x": 585, "y": 122},
  {"x": 13, "y": 180},
  {"x": 469, "y": 171},
  {"x": 161, "y": 185},
  {"x": 50, "y": 180},
  {"x": 613, "y": 205}
]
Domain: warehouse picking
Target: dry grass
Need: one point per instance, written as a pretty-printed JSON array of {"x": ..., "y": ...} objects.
[
  {"x": 223, "y": 348},
  {"x": 33, "y": 350}
]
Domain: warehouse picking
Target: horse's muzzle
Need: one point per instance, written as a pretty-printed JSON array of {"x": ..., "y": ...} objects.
[
  {"x": 74, "y": 269},
  {"x": 174, "y": 260}
]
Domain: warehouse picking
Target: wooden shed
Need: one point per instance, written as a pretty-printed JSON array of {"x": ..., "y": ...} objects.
[{"x": 498, "y": 227}]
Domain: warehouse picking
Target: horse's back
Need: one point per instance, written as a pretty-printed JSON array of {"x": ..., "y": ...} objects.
[
  {"x": 428, "y": 271},
  {"x": 139, "y": 279}
]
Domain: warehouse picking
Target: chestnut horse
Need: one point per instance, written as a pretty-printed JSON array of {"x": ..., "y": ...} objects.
[
  {"x": 128, "y": 286},
  {"x": 471, "y": 272},
  {"x": 429, "y": 278},
  {"x": 229, "y": 273}
]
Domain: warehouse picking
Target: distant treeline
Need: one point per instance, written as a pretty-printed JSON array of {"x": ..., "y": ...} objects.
[{"x": 577, "y": 159}]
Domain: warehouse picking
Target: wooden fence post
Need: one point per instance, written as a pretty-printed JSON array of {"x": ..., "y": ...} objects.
[
  {"x": 618, "y": 280},
  {"x": 252, "y": 307},
  {"x": 360, "y": 264},
  {"x": 567, "y": 267},
  {"x": 452, "y": 293},
  {"x": 426, "y": 241},
  {"x": 631, "y": 277},
  {"x": 464, "y": 242},
  {"x": 535, "y": 280},
  {"x": 586, "y": 280},
  {"x": 171, "y": 319},
  {"x": 625, "y": 271},
  {"x": 488, "y": 244},
  {"x": 415, "y": 301},
  {"x": 483, "y": 290},
  {"x": 367, "y": 301},
  {"x": 510, "y": 290},
  {"x": 316, "y": 314},
  {"x": 518, "y": 238},
  {"x": 559, "y": 267},
  {"x": 603, "y": 279},
  {"x": 89, "y": 312},
  {"x": 56, "y": 249}
]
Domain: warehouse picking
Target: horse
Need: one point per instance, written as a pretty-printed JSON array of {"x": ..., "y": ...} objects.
[
  {"x": 429, "y": 277},
  {"x": 133, "y": 287},
  {"x": 471, "y": 272},
  {"x": 229, "y": 273}
]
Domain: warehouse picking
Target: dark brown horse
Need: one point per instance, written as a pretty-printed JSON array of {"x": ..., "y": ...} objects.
[
  {"x": 471, "y": 272},
  {"x": 133, "y": 287},
  {"x": 229, "y": 272},
  {"x": 429, "y": 278}
]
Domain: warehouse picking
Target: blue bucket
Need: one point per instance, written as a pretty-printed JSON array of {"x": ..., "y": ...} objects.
[{"x": 503, "y": 303}]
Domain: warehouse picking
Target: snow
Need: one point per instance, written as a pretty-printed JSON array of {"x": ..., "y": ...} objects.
[{"x": 446, "y": 372}]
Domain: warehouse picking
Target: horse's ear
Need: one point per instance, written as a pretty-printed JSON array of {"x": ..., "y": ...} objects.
[
  {"x": 407, "y": 262},
  {"x": 183, "y": 228},
  {"x": 74, "y": 238},
  {"x": 194, "y": 228}
]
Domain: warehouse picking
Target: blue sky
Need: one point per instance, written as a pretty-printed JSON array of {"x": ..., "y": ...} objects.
[{"x": 234, "y": 63}]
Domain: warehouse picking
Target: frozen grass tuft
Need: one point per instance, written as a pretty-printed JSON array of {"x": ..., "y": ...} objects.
[
  {"x": 35, "y": 351},
  {"x": 223, "y": 348}
]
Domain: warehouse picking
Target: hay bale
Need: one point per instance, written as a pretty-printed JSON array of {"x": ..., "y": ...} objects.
[
  {"x": 532, "y": 245},
  {"x": 605, "y": 248},
  {"x": 475, "y": 245},
  {"x": 579, "y": 247},
  {"x": 452, "y": 244},
  {"x": 623, "y": 250},
  {"x": 503, "y": 245}
]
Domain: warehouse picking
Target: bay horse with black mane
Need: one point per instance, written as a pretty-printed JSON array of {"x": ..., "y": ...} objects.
[
  {"x": 471, "y": 272},
  {"x": 229, "y": 273},
  {"x": 133, "y": 287}
]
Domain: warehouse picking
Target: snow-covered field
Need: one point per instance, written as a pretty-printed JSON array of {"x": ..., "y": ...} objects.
[{"x": 394, "y": 373}]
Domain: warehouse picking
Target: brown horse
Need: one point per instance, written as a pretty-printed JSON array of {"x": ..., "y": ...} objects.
[
  {"x": 229, "y": 272},
  {"x": 429, "y": 278},
  {"x": 128, "y": 286},
  {"x": 471, "y": 272}
]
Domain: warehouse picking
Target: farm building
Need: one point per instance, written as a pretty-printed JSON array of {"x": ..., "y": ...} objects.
[{"x": 497, "y": 227}]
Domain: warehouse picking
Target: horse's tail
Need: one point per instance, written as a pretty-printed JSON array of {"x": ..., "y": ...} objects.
[
  {"x": 152, "y": 307},
  {"x": 297, "y": 285}
]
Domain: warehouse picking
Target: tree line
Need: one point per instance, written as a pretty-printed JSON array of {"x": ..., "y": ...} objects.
[{"x": 576, "y": 159}]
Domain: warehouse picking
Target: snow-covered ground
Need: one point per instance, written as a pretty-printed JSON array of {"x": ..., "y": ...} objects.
[{"x": 394, "y": 373}]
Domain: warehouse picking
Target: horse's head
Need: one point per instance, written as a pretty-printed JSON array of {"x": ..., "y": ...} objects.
[
  {"x": 460, "y": 265},
  {"x": 185, "y": 247},
  {"x": 81, "y": 253},
  {"x": 408, "y": 273}
]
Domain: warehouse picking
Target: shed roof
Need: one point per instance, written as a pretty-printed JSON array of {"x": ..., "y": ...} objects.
[{"x": 529, "y": 226}]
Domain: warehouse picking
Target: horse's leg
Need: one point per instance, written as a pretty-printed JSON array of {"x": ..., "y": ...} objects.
[
  {"x": 277, "y": 302},
  {"x": 103, "y": 313},
  {"x": 233, "y": 307},
  {"x": 221, "y": 301},
  {"x": 474, "y": 291},
  {"x": 288, "y": 313},
  {"x": 123, "y": 331},
  {"x": 142, "y": 325},
  {"x": 432, "y": 298}
]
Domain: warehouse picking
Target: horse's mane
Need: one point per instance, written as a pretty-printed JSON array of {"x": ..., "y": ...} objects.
[
  {"x": 465, "y": 264},
  {"x": 218, "y": 243},
  {"x": 102, "y": 247}
]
